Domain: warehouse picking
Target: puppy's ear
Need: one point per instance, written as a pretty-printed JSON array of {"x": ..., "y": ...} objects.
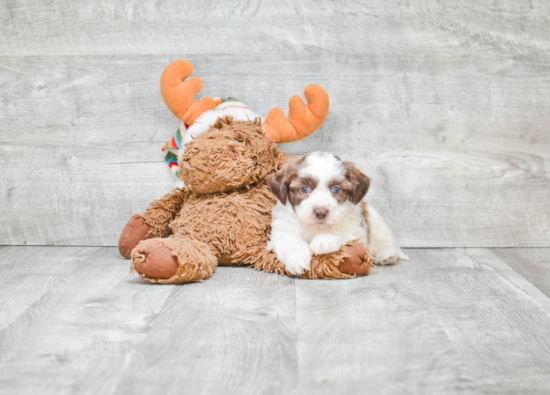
[
  {"x": 279, "y": 182},
  {"x": 359, "y": 181},
  {"x": 276, "y": 182}
]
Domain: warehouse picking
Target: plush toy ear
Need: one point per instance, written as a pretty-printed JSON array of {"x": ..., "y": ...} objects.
[
  {"x": 302, "y": 119},
  {"x": 277, "y": 184},
  {"x": 179, "y": 95},
  {"x": 359, "y": 181}
]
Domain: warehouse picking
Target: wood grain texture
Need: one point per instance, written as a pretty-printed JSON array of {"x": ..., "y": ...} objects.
[
  {"x": 28, "y": 273},
  {"x": 95, "y": 131},
  {"x": 73, "y": 321},
  {"x": 446, "y": 105},
  {"x": 531, "y": 263},
  {"x": 77, "y": 336},
  {"x": 379, "y": 102},
  {"x": 103, "y": 27},
  {"x": 373, "y": 335},
  {"x": 496, "y": 320},
  {"x": 454, "y": 199},
  {"x": 233, "y": 334},
  {"x": 75, "y": 195}
]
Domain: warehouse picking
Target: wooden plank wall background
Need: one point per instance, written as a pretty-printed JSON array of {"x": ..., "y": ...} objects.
[{"x": 445, "y": 106}]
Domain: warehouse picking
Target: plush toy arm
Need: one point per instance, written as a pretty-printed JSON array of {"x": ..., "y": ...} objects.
[
  {"x": 153, "y": 223},
  {"x": 164, "y": 210}
]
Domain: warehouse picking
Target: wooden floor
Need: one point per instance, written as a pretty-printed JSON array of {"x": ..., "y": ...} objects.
[
  {"x": 73, "y": 320},
  {"x": 445, "y": 105}
]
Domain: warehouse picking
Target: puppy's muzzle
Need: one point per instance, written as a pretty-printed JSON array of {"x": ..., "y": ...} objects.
[{"x": 320, "y": 213}]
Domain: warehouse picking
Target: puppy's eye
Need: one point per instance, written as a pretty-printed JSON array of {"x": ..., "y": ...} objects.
[
  {"x": 336, "y": 190},
  {"x": 305, "y": 189}
]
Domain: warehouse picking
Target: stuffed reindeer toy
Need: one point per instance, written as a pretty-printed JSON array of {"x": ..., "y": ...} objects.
[{"x": 221, "y": 213}]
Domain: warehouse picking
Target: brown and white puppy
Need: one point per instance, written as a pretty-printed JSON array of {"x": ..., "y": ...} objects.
[{"x": 320, "y": 208}]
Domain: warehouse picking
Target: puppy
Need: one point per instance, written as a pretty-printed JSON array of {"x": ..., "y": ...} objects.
[{"x": 320, "y": 208}]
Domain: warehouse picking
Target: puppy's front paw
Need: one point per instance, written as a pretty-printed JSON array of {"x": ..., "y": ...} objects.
[
  {"x": 386, "y": 255},
  {"x": 298, "y": 261},
  {"x": 325, "y": 244}
]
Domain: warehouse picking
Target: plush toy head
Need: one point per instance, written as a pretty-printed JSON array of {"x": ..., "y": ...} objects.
[
  {"x": 224, "y": 146},
  {"x": 229, "y": 156}
]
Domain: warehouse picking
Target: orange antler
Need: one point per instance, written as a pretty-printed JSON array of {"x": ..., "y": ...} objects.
[
  {"x": 302, "y": 119},
  {"x": 179, "y": 95}
]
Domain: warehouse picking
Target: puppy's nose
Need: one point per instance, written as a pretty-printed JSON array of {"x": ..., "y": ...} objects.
[{"x": 320, "y": 212}]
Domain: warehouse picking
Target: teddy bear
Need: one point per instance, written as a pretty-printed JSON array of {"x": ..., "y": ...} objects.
[{"x": 221, "y": 212}]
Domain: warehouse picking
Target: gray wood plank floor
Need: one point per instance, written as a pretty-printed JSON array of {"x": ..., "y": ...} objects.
[{"x": 73, "y": 320}]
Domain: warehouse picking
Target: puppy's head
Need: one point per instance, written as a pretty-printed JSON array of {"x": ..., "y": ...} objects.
[{"x": 319, "y": 187}]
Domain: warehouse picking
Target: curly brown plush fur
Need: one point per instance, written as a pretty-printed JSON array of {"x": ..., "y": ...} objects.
[
  {"x": 230, "y": 155},
  {"x": 223, "y": 215},
  {"x": 163, "y": 211},
  {"x": 195, "y": 260}
]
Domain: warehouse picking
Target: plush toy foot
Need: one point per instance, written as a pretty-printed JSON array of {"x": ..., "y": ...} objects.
[
  {"x": 356, "y": 264},
  {"x": 173, "y": 260},
  {"x": 153, "y": 259},
  {"x": 135, "y": 231}
]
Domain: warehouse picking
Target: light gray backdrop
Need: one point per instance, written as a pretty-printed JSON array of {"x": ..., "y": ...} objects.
[{"x": 446, "y": 107}]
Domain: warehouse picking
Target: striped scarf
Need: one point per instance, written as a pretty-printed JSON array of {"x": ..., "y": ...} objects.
[{"x": 171, "y": 148}]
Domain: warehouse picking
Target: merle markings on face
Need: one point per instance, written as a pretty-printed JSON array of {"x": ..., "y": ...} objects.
[{"x": 318, "y": 188}]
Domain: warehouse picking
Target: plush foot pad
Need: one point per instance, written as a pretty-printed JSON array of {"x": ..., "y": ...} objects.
[
  {"x": 154, "y": 260},
  {"x": 135, "y": 231},
  {"x": 356, "y": 263}
]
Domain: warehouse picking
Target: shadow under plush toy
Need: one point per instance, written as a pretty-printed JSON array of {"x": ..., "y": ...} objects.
[{"x": 222, "y": 215}]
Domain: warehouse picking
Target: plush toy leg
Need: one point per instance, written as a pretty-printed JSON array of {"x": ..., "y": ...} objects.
[
  {"x": 173, "y": 260},
  {"x": 358, "y": 263},
  {"x": 135, "y": 231},
  {"x": 352, "y": 260}
]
